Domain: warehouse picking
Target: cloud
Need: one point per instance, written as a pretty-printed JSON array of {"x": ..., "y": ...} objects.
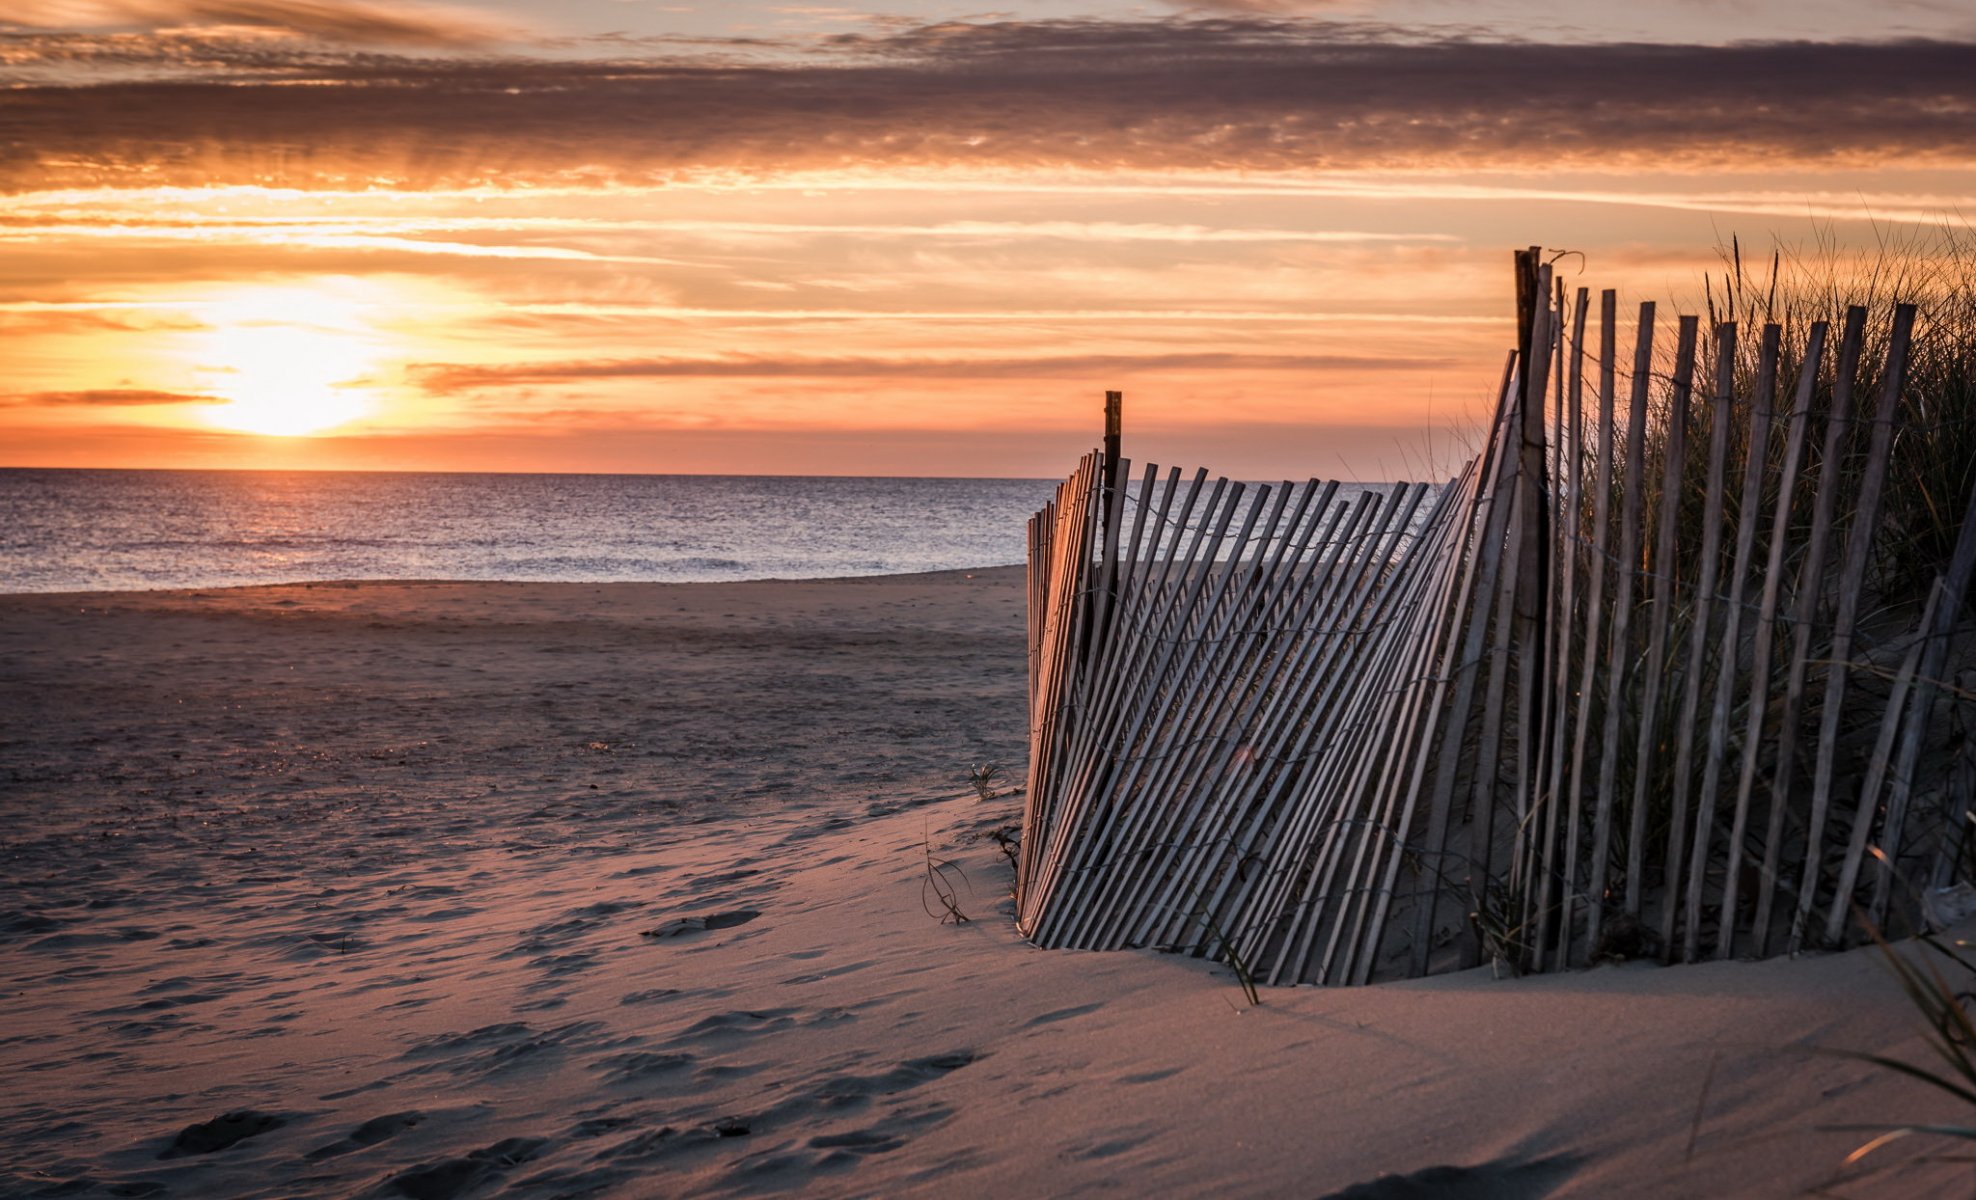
[
  {"x": 1269, "y": 8},
  {"x": 449, "y": 378},
  {"x": 1228, "y": 95},
  {"x": 350, "y": 22},
  {"x": 106, "y": 398}
]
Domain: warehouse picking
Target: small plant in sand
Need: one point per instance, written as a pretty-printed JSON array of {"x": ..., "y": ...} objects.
[
  {"x": 939, "y": 886},
  {"x": 985, "y": 778},
  {"x": 1503, "y": 938},
  {"x": 1235, "y": 961},
  {"x": 1008, "y": 839}
]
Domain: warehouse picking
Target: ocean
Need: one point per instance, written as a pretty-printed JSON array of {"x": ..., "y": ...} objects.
[{"x": 84, "y": 530}]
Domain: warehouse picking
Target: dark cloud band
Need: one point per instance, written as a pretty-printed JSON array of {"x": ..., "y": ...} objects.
[{"x": 1201, "y": 95}]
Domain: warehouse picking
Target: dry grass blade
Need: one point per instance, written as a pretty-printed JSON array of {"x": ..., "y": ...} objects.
[
  {"x": 939, "y": 885},
  {"x": 1951, "y": 1036}
]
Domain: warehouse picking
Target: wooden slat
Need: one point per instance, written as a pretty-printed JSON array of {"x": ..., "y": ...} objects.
[
  {"x": 1864, "y": 526},
  {"x": 1864, "y": 523},
  {"x": 1156, "y": 807},
  {"x": 1755, "y": 458},
  {"x": 1449, "y": 621},
  {"x": 1701, "y": 626},
  {"x": 1665, "y": 573},
  {"x": 1954, "y": 586},
  {"x": 1393, "y": 765},
  {"x": 1597, "y": 569},
  {"x": 1233, "y": 730},
  {"x": 1619, "y": 658},
  {"x": 1553, "y": 879},
  {"x": 1485, "y": 528},
  {"x": 1758, "y": 702},
  {"x": 1169, "y": 660},
  {"x": 1804, "y": 616},
  {"x": 1529, "y": 602}
]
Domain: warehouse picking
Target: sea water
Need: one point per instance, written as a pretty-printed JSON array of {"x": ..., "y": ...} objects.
[{"x": 84, "y": 530}]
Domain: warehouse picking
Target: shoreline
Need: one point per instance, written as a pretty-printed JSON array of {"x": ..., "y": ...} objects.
[
  {"x": 451, "y": 889},
  {"x": 443, "y": 582}
]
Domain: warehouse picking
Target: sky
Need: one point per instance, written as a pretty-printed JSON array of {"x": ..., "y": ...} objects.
[{"x": 904, "y": 238}]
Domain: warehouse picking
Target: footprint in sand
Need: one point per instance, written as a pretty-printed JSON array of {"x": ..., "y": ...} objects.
[
  {"x": 1061, "y": 1014},
  {"x": 494, "y": 1050},
  {"x": 450, "y": 1177},
  {"x": 1504, "y": 1179},
  {"x": 208, "y": 1137},
  {"x": 687, "y": 926},
  {"x": 643, "y": 1066},
  {"x": 370, "y": 1133}
]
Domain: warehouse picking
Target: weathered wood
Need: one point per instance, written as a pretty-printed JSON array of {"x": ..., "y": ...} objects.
[
  {"x": 1073, "y": 787},
  {"x": 1483, "y": 528},
  {"x": 1596, "y": 571},
  {"x": 1531, "y": 517},
  {"x": 1238, "y": 730},
  {"x": 1451, "y": 621},
  {"x": 1954, "y": 586},
  {"x": 1114, "y": 436},
  {"x": 1666, "y": 543},
  {"x": 1619, "y": 658},
  {"x": 1254, "y": 710},
  {"x": 1727, "y": 657},
  {"x": 1804, "y": 615},
  {"x": 1169, "y": 661},
  {"x": 1721, "y": 414},
  {"x": 1878, "y": 762},
  {"x": 1852, "y": 582},
  {"x": 1161, "y": 806},
  {"x": 1758, "y": 701},
  {"x": 1568, "y": 527},
  {"x": 1859, "y": 544}
]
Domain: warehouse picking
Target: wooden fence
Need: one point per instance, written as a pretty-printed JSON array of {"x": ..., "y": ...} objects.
[{"x": 1618, "y": 689}]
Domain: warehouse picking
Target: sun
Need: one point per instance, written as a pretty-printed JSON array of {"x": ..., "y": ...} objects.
[{"x": 287, "y": 361}]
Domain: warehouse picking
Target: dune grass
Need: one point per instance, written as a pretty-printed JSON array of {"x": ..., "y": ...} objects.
[{"x": 1932, "y": 469}]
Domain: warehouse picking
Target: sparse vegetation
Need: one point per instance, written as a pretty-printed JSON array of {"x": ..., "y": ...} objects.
[
  {"x": 1943, "y": 1005},
  {"x": 1008, "y": 839},
  {"x": 1234, "y": 957},
  {"x": 938, "y": 886},
  {"x": 985, "y": 778}
]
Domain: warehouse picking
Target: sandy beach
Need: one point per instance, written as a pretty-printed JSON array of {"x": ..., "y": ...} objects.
[{"x": 438, "y": 890}]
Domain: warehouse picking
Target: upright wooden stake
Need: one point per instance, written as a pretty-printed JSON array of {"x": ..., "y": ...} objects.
[
  {"x": 1700, "y": 627},
  {"x": 1859, "y": 545},
  {"x": 1594, "y": 614},
  {"x": 1666, "y": 545},
  {"x": 1114, "y": 422},
  {"x": 1766, "y": 633},
  {"x": 1852, "y": 578},
  {"x": 1620, "y": 656},
  {"x": 1804, "y": 615}
]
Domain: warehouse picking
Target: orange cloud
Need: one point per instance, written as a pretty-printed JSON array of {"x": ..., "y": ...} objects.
[
  {"x": 106, "y": 398},
  {"x": 447, "y": 378},
  {"x": 345, "y": 21}
]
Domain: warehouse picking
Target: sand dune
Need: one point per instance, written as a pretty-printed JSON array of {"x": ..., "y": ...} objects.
[{"x": 437, "y": 890}]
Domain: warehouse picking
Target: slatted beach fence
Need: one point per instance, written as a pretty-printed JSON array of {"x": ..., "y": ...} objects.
[{"x": 1621, "y": 687}]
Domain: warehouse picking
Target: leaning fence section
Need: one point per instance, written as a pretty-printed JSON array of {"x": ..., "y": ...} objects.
[{"x": 1624, "y": 686}]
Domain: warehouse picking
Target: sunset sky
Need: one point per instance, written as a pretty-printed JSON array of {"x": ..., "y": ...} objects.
[{"x": 904, "y": 238}]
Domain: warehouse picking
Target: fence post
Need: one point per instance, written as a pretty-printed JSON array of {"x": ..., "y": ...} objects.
[
  {"x": 1530, "y": 597},
  {"x": 1114, "y": 421}
]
